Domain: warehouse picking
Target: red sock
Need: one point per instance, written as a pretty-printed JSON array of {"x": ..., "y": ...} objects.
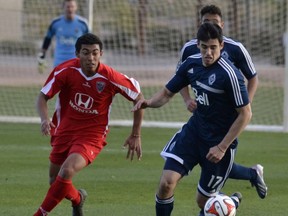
[
  {"x": 60, "y": 189},
  {"x": 74, "y": 196}
]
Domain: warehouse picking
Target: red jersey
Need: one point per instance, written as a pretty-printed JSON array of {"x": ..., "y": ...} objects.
[{"x": 83, "y": 104}]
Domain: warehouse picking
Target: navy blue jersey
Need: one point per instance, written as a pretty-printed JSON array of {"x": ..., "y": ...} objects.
[
  {"x": 232, "y": 50},
  {"x": 219, "y": 89}
]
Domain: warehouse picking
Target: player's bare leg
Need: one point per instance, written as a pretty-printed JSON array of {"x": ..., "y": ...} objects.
[
  {"x": 165, "y": 194},
  {"x": 62, "y": 187},
  {"x": 53, "y": 172},
  {"x": 201, "y": 200}
]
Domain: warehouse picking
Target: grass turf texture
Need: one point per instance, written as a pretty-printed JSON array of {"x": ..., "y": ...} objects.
[{"x": 118, "y": 187}]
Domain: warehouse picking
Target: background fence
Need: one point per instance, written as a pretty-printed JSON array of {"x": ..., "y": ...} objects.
[{"x": 142, "y": 38}]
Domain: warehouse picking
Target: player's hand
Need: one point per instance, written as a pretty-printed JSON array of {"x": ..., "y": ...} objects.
[
  {"x": 215, "y": 154},
  {"x": 141, "y": 104},
  {"x": 42, "y": 64},
  {"x": 191, "y": 105},
  {"x": 46, "y": 126},
  {"x": 133, "y": 143}
]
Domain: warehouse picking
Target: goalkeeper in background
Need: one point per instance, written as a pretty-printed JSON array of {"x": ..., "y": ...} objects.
[
  {"x": 240, "y": 57},
  {"x": 66, "y": 29}
]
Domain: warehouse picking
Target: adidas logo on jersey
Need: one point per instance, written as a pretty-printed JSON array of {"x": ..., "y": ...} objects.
[{"x": 191, "y": 71}]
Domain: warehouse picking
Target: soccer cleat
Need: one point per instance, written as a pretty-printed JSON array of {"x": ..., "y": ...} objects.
[
  {"x": 237, "y": 198},
  {"x": 259, "y": 183},
  {"x": 78, "y": 210}
]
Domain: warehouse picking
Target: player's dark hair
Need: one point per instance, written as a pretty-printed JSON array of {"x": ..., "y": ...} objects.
[
  {"x": 211, "y": 9},
  {"x": 88, "y": 39},
  {"x": 209, "y": 31},
  {"x": 64, "y": 1}
]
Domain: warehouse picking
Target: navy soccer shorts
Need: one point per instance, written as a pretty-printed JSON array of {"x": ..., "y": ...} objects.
[{"x": 185, "y": 150}]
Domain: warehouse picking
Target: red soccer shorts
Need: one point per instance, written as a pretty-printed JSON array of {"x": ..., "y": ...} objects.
[{"x": 63, "y": 146}]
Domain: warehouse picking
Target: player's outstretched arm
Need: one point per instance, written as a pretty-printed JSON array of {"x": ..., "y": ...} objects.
[{"x": 156, "y": 101}]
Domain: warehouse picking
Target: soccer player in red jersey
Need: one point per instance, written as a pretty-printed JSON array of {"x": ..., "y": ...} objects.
[{"x": 79, "y": 126}]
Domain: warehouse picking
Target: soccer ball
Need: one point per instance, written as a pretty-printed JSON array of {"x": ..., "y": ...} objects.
[{"x": 220, "y": 205}]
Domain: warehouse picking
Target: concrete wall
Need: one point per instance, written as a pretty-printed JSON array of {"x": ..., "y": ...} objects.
[{"x": 10, "y": 19}]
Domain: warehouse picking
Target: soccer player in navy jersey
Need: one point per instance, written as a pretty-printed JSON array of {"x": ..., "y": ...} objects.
[
  {"x": 66, "y": 29},
  {"x": 240, "y": 57},
  {"x": 85, "y": 89},
  {"x": 209, "y": 138}
]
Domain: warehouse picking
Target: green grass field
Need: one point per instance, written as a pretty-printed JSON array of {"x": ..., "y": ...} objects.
[{"x": 119, "y": 187}]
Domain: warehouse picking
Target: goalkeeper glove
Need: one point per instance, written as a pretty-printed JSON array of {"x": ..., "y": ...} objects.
[{"x": 42, "y": 64}]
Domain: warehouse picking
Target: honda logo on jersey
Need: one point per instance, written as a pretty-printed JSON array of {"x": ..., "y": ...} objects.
[
  {"x": 83, "y": 101},
  {"x": 83, "y": 104}
]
